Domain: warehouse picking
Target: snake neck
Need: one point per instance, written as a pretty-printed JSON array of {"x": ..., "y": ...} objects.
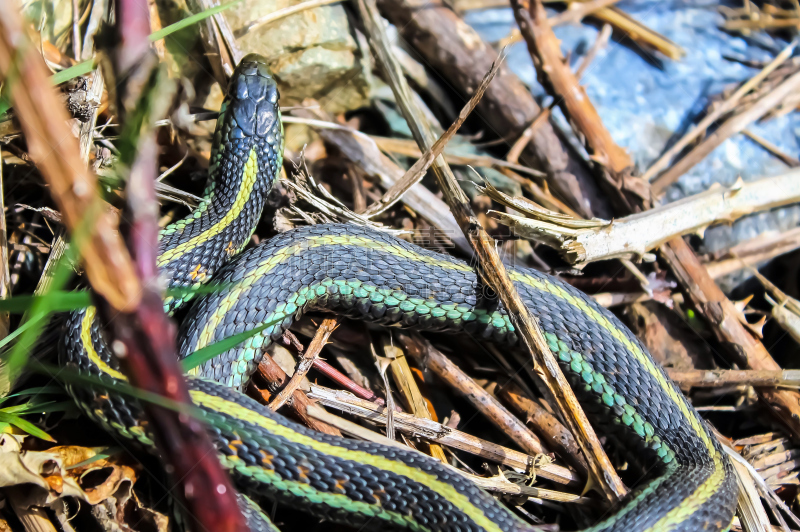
[{"x": 245, "y": 161}]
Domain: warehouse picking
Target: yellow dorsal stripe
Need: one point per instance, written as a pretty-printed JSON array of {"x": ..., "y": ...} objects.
[
  {"x": 249, "y": 179},
  {"x": 449, "y": 492},
  {"x": 86, "y": 340},
  {"x": 702, "y": 493},
  {"x": 206, "y": 336}
]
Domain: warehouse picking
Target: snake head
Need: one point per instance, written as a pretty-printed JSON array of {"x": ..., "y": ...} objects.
[{"x": 253, "y": 99}]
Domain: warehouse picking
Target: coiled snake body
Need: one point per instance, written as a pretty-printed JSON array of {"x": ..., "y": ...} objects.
[{"x": 372, "y": 276}]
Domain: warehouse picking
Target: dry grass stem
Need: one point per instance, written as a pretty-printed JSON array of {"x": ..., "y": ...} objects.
[
  {"x": 56, "y": 152},
  {"x": 785, "y": 309},
  {"x": 404, "y": 379},
  {"x": 788, "y": 160},
  {"x": 363, "y": 151},
  {"x": 715, "y": 378},
  {"x": 752, "y": 252},
  {"x": 415, "y": 174},
  {"x": 725, "y": 107},
  {"x": 409, "y": 149},
  {"x": 501, "y": 484}
]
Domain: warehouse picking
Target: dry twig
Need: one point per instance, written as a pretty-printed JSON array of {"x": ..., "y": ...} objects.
[
  {"x": 452, "y": 48},
  {"x": 735, "y": 124},
  {"x": 304, "y": 364},
  {"x": 415, "y": 174},
  {"x": 404, "y": 379},
  {"x": 429, "y": 357},
  {"x": 714, "y": 378},
  {"x": 762, "y": 248},
  {"x": 723, "y": 317},
  {"x": 725, "y": 107}
]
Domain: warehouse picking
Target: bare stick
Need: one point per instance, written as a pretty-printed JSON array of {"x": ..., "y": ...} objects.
[
  {"x": 415, "y": 401},
  {"x": 576, "y": 11},
  {"x": 787, "y": 159},
  {"x": 633, "y": 236},
  {"x": 430, "y": 357},
  {"x": 452, "y": 48},
  {"x": 713, "y": 378},
  {"x": 599, "y": 43},
  {"x": 720, "y": 312},
  {"x": 276, "y": 379},
  {"x": 415, "y": 174},
  {"x": 346, "y": 382},
  {"x": 544, "y": 423},
  {"x": 751, "y": 252},
  {"x": 612, "y": 163}
]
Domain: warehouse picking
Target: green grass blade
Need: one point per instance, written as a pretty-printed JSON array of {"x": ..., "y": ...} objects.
[
  {"x": 57, "y": 300},
  {"x": 188, "y": 21},
  {"x": 207, "y": 353},
  {"x": 25, "y": 425},
  {"x": 41, "y": 309},
  {"x": 70, "y": 376},
  {"x": 81, "y": 69},
  {"x": 37, "y": 408},
  {"x": 19, "y": 331},
  {"x": 84, "y": 67},
  {"x": 61, "y": 301},
  {"x": 36, "y": 390}
]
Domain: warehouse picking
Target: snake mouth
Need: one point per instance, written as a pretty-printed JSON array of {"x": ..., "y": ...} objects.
[{"x": 253, "y": 97}]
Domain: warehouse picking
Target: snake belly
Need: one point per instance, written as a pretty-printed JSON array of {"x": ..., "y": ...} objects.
[{"x": 369, "y": 275}]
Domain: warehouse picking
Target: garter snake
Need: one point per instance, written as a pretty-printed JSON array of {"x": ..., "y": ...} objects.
[{"x": 369, "y": 275}]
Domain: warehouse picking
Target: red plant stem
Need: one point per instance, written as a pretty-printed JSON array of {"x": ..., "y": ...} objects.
[
  {"x": 346, "y": 382},
  {"x": 145, "y": 337}
]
